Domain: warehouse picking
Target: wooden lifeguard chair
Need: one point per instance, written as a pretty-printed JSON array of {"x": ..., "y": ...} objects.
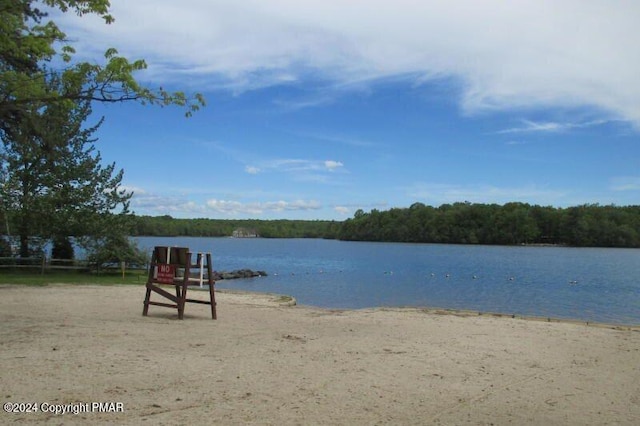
[{"x": 171, "y": 266}]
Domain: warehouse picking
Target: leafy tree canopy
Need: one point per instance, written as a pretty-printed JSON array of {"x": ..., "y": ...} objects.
[
  {"x": 29, "y": 44},
  {"x": 52, "y": 182},
  {"x": 509, "y": 224}
]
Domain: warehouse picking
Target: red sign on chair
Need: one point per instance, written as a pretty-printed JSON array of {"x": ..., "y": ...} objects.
[
  {"x": 166, "y": 273},
  {"x": 165, "y": 263}
]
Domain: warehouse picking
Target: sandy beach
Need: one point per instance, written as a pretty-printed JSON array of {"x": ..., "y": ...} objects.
[{"x": 264, "y": 361}]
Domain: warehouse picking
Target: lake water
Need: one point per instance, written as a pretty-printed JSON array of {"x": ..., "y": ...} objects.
[{"x": 589, "y": 284}]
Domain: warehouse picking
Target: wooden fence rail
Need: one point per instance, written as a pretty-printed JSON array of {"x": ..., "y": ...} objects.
[{"x": 45, "y": 264}]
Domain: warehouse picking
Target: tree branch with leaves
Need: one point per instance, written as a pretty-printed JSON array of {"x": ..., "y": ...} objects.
[
  {"x": 28, "y": 44},
  {"x": 52, "y": 181}
]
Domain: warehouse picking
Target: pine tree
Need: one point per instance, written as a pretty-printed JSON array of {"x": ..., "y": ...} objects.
[{"x": 54, "y": 184}]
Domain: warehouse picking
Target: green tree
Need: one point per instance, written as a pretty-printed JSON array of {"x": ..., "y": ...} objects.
[
  {"x": 512, "y": 223},
  {"x": 54, "y": 182},
  {"x": 112, "y": 250},
  {"x": 51, "y": 177},
  {"x": 32, "y": 46}
]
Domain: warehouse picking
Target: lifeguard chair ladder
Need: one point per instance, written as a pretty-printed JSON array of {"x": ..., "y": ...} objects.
[{"x": 171, "y": 266}]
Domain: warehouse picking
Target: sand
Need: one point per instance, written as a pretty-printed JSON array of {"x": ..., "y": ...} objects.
[{"x": 266, "y": 362}]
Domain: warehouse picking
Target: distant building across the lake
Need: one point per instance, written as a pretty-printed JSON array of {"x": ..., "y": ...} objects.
[{"x": 245, "y": 233}]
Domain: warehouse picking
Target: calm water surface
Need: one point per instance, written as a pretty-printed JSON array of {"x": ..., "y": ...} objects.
[{"x": 589, "y": 284}]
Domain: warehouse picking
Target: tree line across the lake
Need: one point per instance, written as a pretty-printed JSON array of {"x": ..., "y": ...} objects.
[
  {"x": 169, "y": 226},
  {"x": 590, "y": 225}
]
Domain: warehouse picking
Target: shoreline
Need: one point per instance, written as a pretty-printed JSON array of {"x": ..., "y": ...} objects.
[
  {"x": 267, "y": 361},
  {"x": 451, "y": 311},
  {"x": 292, "y": 301}
]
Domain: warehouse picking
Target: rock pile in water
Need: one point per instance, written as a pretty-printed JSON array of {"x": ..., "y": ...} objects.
[{"x": 240, "y": 273}]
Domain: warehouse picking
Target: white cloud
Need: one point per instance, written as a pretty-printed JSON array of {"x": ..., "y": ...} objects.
[
  {"x": 300, "y": 166},
  {"x": 149, "y": 203},
  {"x": 293, "y": 165},
  {"x": 332, "y": 165},
  {"x": 625, "y": 183},
  {"x": 282, "y": 165},
  {"x": 230, "y": 207},
  {"x": 192, "y": 205},
  {"x": 135, "y": 189},
  {"x": 505, "y": 55},
  {"x": 529, "y": 126},
  {"x": 295, "y": 205},
  {"x": 233, "y": 208},
  {"x": 436, "y": 194},
  {"x": 342, "y": 210}
]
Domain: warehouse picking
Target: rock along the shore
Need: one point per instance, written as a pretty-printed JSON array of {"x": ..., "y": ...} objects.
[{"x": 240, "y": 273}]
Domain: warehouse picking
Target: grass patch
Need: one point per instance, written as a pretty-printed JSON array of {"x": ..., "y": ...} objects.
[{"x": 71, "y": 277}]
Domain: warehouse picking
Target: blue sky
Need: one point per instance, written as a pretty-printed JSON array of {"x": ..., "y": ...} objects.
[{"x": 319, "y": 108}]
